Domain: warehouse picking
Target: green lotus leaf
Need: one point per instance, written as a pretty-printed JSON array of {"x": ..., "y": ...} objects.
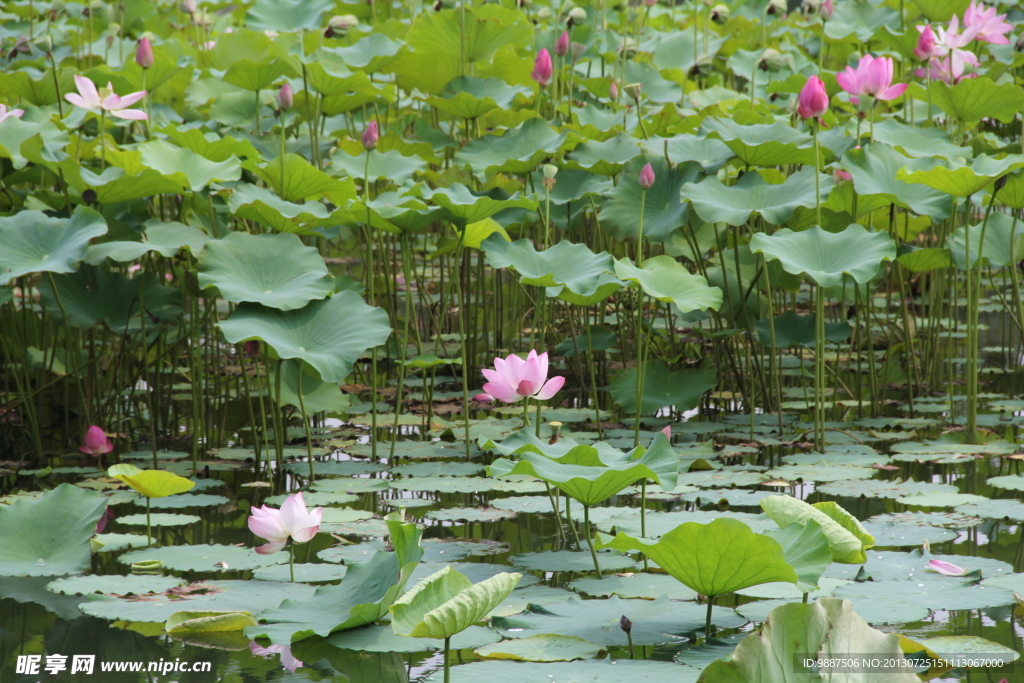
[
  {"x": 761, "y": 144},
  {"x": 467, "y": 97},
  {"x": 184, "y": 167},
  {"x": 715, "y": 202},
  {"x": 330, "y": 335},
  {"x": 806, "y": 550},
  {"x": 370, "y": 53},
  {"x": 296, "y": 180},
  {"x": 943, "y": 593},
  {"x": 519, "y": 150},
  {"x": 606, "y": 157},
  {"x": 363, "y": 596},
  {"x": 277, "y": 271},
  {"x": 665, "y": 279},
  {"x": 465, "y": 206},
  {"x": 922, "y": 260},
  {"x": 317, "y": 395},
  {"x": 874, "y": 168},
  {"x": 547, "y": 647},
  {"x": 38, "y": 88},
  {"x": 281, "y": 15},
  {"x": 973, "y": 99},
  {"x": 601, "y": 339},
  {"x": 710, "y": 153},
  {"x": 49, "y": 536},
  {"x": 798, "y": 330},
  {"x": 571, "y": 561},
  {"x": 825, "y": 256},
  {"x": 158, "y": 519},
  {"x": 681, "y": 388},
  {"x": 964, "y": 647},
  {"x": 664, "y": 211},
  {"x": 51, "y": 139},
  {"x": 114, "y": 584},
  {"x": 254, "y": 76},
  {"x": 847, "y": 539},
  {"x": 150, "y": 483},
  {"x": 391, "y": 165},
  {"x": 263, "y": 206},
  {"x": 447, "y": 603},
  {"x": 395, "y": 212},
  {"x": 591, "y": 476},
  {"x": 603, "y": 670},
  {"x": 165, "y": 239},
  {"x": 712, "y": 559},
  {"x": 93, "y": 296},
  {"x": 579, "y": 274},
  {"x": 957, "y": 178},
  {"x": 382, "y": 638},
  {"x": 1004, "y": 242},
  {"x": 941, "y": 10},
  {"x": 828, "y": 627},
  {"x": 636, "y": 585},
  {"x": 204, "y": 621},
  {"x": 915, "y": 141},
  {"x": 35, "y": 243}
]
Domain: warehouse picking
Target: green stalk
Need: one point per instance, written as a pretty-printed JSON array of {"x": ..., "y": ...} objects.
[
  {"x": 640, "y": 336},
  {"x": 707, "y": 621},
  {"x": 460, "y": 256},
  {"x": 819, "y": 368},
  {"x": 305, "y": 421},
  {"x": 447, "y": 652},
  {"x": 590, "y": 540},
  {"x": 371, "y": 276},
  {"x": 974, "y": 297},
  {"x": 149, "y": 536},
  {"x": 291, "y": 560},
  {"x": 817, "y": 179}
]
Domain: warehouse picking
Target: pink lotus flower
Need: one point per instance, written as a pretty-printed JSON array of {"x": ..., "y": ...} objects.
[
  {"x": 90, "y": 99},
  {"x": 371, "y": 135},
  {"x": 840, "y": 174},
  {"x": 5, "y": 113},
  {"x": 871, "y": 78},
  {"x": 562, "y": 44},
  {"x": 288, "y": 660},
  {"x": 144, "y": 54},
  {"x": 945, "y": 568},
  {"x": 513, "y": 378},
  {"x": 826, "y": 10},
  {"x": 667, "y": 431},
  {"x": 542, "y": 69},
  {"x": 613, "y": 91},
  {"x": 813, "y": 100},
  {"x": 291, "y": 521},
  {"x": 947, "y": 69},
  {"x": 925, "y": 43},
  {"x": 484, "y": 398},
  {"x": 96, "y": 442},
  {"x": 991, "y": 28},
  {"x": 646, "y": 177}
]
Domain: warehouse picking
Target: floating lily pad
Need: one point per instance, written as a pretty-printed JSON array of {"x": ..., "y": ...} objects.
[
  {"x": 112, "y": 542},
  {"x": 448, "y": 469},
  {"x": 884, "y": 489},
  {"x": 603, "y": 670},
  {"x": 995, "y": 509},
  {"x": 940, "y": 500},
  {"x": 350, "y": 485},
  {"x": 185, "y": 500},
  {"x": 570, "y": 561},
  {"x": 521, "y": 598},
  {"x": 408, "y": 502},
  {"x": 114, "y": 584},
  {"x": 335, "y": 468},
  {"x": 1013, "y": 482},
  {"x": 547, "y": 647},
  {"x": 304, "y": 572},
  {"x": 158, "y": 519},
  {"x": 444, "y": 484},
  {"x": 634, "y": 585},
  {"x": 470, "y": 514},
  {"x": 877, "y": 611},
  {"x": 899, "y": 534},
  {"x": 947, "y": 594},
  {"x": 375, "y": 638},
  {"x": 821, "y": 472},
  {"x": 946, "y": 520},
  {"x": 203, "y": 558}
]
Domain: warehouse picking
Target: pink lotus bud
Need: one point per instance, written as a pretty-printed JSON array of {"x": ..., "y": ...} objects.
[
  {"x": 96, "y": 442},
  {"x": 252, "y": 348},
  {"x": 840, "y": 174},
  {"x": 667, "y": 431},
  {"x": 826, "y": 10},
  {"x": 370, "y": 136},
  {"x": 484, "y": 398},
  {"x": 562, "y": 44},
  {"x": 108, "y": 515},
  {"x": 925, "y": 49},
  {"x": 646, "y": 177},
  {"x": 285, "y": 98},
  {"x": 613, "y": 91},
  {"x": 542, "y": 69},
  {"x": 144, "y": 54},
  {"x": 813, "y": 100}
]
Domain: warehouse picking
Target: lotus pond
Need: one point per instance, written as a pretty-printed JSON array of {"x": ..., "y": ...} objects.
[{"x": 511, "y": 341}]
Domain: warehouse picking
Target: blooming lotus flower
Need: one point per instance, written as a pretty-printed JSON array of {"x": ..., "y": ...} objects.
[
  {"x": 646, "y": 178},
  {"x": 925, "y": 49},
  {"x": 5, "y": 113},
  {"x": 513, "y": 378},
  {"x": 96, "y": 442},
  {"x": 813, "y": 100},
  {"x": 288, "y": 660},
  {"x": 945, "y": 568},
  {"x": 371, "y": 135},
  {"x": 991, "y": 28},
  {"x": 871, "y": 78},
  {"x": 562, "y": 44},
  {"x": 947, "y": 69},
  {"x": 291, "y": 521},
  {"x": 105, "y": 100},
  {"x": 542, "y": 69}
]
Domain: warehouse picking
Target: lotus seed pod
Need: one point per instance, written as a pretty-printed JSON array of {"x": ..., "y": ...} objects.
[
  {"x": 772, "y": 60},
  {"x": 577, "y": 15},
  {"x": 187, "y": 6},
  {"x": 777, "y": 8},
  {"x": 550, "y": 171},
  {"x": 720, "y": 13},
  {"x": 634, "y": 90},
  {"x": 543, "y": 14},
  {"x": 577, "y": 50}
]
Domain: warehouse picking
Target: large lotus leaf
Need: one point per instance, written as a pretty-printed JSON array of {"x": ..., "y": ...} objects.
[
  {"x": 606, "y": 157},
  {"x": 519, "y": 150},
  {"x": 827, "y": 628},
  {"x": 165, "y": 239},
  {"x": 915, "y": 141},
  {"x": 587, "y": 276},
  {"x": 798, "y": 330},
  {"x": 939, "y": 594},
  {"x": 447, "y": 603},
  {"x": 654, "y": 621},
  {"x": 974, "y": 99},
  {"x": 263, "y": 206},
  {"x": 874, "y": 168},
  {"x": 584, "y": 671},
  {"x": 806, "y": 549},
  {"x": 33, "y": 242},
  {"x": 762, "y": 144},
  {"x": 635, "y": 585},
  {"x": 281, "y": 15},
  {"x": 953, "y": 648},
  {"x": 317, "y": 396},
  {"x": 468, "y": 97},
  {"x": 957, "y": 178},
  {"x": 922, "y": 260},
  {"x": 665, "y": 279},
  {"x": 52, "y": 140},
  {"x": 369, "y": 54},
  {"x": 186, "y": 168},
  {"x": 278, "y": 271},
  {"x": 475, "y": 35},
  {"x": 330, "y": 76},
  {"x": 715, "y": 202},
  {"x": 710, "y": 153},
  {"x": 846, "y": 537},
  {"x": 150, "y": 483},
  {"x": 391, "y": 165},
  {"x": 49, "y": 536},
  {"x": 93, "y": 296},
  {"x": 585, "y": 475},
  {"x": 681, "y": 388},
  {"x": 712, "y": 559},
  {"x": 825, "y": 256},
  {"x": 396, "y": 212},
  {"x": 1004, "y": 242},
  {"x": 363, "y": 596},
  {"x": 465, "y": 206},
  {"x": 296, "y": 180},
  {"x": 254, "y": 76},
  {"x": 664, "y": 211},
  {"x": 330, "y": 335},
  {"x": 548, "y": 647}
]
